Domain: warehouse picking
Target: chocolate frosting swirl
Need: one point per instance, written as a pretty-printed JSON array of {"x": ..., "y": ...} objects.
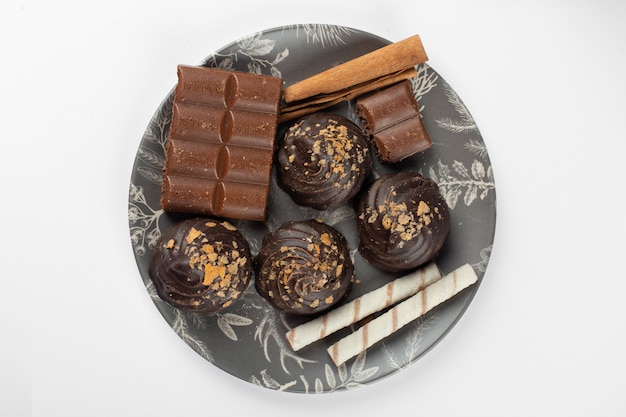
[
  {"x": 304, "y": 267},
  {"x": 201, "y": 265},
  {"x": 402, "y": 220},
  {"x": 323, "y": 161}
]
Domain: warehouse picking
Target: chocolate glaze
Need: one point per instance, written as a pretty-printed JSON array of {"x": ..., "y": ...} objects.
[
  {"x": 323, "y": 161},
  {"x": 304, "y": 267},
  {"x": 402, "y": 221},
  {"x": 201, "y": 265}
]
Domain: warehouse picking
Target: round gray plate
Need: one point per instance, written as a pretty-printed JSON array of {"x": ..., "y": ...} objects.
[{"x": 248, "y": 339}]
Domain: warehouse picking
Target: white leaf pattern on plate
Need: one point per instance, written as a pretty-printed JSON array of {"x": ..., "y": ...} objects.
[{"x": 226, "y": 322}]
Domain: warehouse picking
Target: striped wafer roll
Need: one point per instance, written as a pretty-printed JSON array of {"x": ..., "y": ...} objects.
[
  {"x": 359, "y": 308},
  {"x": 402, "y": 314}
]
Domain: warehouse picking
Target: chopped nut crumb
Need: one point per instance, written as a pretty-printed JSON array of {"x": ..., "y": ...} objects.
[
  {"x": 192, "y": 235},
  {"x": 212, "y": 272},
  {"x": 422, "y": 208},
  {"x": 228, "y": 226}
]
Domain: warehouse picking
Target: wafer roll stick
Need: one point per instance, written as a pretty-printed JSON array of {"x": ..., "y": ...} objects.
[
  {"x": 389, "y": 59},
  {"x": 361, "y": 307},
  {"x": 402, "y": 314}
]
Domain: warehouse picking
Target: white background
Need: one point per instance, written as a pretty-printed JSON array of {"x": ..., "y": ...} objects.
[{"x": 545, "y": 82}]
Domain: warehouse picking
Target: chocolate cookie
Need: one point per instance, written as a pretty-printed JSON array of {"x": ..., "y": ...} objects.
[
  {"x": 304, "y": 267},
  {"x": 402, "y": 220},
  {"x": 201, "y": 265},
  {"x": 323, "y": 161}
]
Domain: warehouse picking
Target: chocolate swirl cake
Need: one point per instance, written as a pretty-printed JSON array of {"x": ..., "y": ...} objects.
[
  {"x": 304, "y": 267},
  {"x": 402, "y": 221},
  {"x": 323, "y": 161},
  {"x": 201, "y": 265}
]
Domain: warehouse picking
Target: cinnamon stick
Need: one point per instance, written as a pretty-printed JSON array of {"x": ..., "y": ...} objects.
[
  {"x": 302, "y": 108},
  {"x": 387, "y": 60}
]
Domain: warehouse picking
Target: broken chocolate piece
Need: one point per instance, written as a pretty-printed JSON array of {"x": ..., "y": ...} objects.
[
  {"x": 392, "y": 121},
  {"x": 221, "y": 142}
]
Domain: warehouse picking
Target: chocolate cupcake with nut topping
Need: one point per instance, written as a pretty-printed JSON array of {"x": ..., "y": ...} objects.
[
  {"x": 201, "y": 265},
  {"x": 402, "y": 220},
  {"x": 304, "y": 267},
  {"x": 323, "y": 161}
]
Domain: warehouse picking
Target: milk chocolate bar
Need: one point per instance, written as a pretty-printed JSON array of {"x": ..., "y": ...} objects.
[
  {"x": 392, "y": 121},
  {"x": 221, "y": 143}
]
